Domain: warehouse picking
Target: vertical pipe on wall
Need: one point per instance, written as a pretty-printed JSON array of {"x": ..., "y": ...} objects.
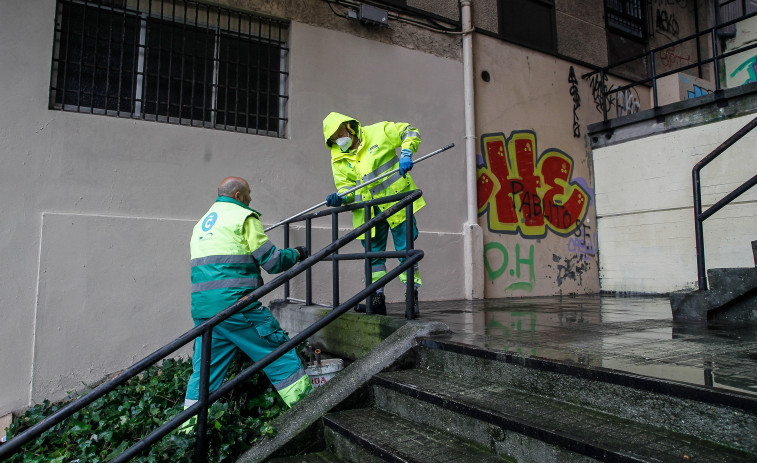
[{"x": 474, "y": 246}]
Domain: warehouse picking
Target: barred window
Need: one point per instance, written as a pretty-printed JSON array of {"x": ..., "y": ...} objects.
[
  {"x": 173, "y": 61},
  {"x": 626, "y": 16}
]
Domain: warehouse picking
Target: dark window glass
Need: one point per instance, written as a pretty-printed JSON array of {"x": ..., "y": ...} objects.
[
  {"x": 249, "y": 83},
  {"x": 210, "y": 67},
  {"x": 96, "y": 59},
  {"x": 530, "y": 23},
  {"x": 178, "y": 71}
]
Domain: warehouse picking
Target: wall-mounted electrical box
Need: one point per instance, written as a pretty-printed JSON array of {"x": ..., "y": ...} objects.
[{"x": 373, "y": 15}]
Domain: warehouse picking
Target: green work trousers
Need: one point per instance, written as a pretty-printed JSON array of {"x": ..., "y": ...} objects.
[{"x": 256, "y": 332}]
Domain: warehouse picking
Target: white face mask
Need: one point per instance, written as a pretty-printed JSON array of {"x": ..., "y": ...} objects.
[{"x": 344, "y": 143}]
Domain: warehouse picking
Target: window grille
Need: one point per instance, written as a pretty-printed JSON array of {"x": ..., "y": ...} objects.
[
  {"x": 173, "y": 61},
  {"x": 626, "y": 16}
]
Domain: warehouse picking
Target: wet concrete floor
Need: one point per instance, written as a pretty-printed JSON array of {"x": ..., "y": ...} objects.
[{"x": 630, "y": 334}]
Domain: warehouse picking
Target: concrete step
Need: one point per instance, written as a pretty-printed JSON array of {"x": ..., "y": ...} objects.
[
  {"x": 367, "y": 435},
  {"x": 732, "y": 282},
  {"x": 731, "y": 296},
  {"x": 538, "y": 410}
]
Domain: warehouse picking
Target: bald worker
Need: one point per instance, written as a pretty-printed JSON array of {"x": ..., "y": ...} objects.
[{"x": 228, "y": 248}]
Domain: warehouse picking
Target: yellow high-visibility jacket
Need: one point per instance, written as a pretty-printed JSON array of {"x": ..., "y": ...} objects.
[{"x": 375, "y": 154}]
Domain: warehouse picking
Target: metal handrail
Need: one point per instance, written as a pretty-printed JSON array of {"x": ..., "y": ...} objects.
[
  {"x": 712, "y": 31},
  {"x": 699, "y": 216},
  {"x": 200, "y": 408}
]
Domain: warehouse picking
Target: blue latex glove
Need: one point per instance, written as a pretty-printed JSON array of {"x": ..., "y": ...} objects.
[
  {"x": 406, "y": 161},
  {"x": 334, "y": 200}
]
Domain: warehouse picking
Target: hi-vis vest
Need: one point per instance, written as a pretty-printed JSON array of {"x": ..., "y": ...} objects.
[
  {"x": 224, "y": 267},
  {"x": 375, "y": 155}
]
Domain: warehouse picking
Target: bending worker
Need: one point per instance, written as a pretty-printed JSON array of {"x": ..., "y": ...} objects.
[
  {"x": 360, "y": 154},
  {"x": 228, "y": 249}
]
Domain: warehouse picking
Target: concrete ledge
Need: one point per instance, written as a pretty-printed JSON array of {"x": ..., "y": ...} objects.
[
  {"x": 359, "y": 331},
  {"x": 351, "y": 336}
]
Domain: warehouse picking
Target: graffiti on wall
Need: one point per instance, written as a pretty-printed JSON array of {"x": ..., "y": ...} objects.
[
  {"x": 697, "y": 91},
  {"x": 747, "y": 69},
  {"x": 623, "y": 102},
  {"x": 671, "y": 59},
  {"x": 666, "y": 24},
  {"x": 523, "y": 194},
  {"x": 576, "y": 101},
  {"x": 522, "y": 273},
  {"x": 583, "y": 243}
]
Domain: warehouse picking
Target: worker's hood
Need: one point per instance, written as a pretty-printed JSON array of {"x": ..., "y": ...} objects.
[{"x": 330, "y": 125}]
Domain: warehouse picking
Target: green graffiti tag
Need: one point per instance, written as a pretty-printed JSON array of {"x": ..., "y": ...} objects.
[{"x": 515, "y": 271}]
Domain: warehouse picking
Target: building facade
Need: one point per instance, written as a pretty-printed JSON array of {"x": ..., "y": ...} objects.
[{"x": 120, "y": 117}]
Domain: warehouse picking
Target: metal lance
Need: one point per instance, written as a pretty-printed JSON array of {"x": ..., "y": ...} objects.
[{"x": 362, "y": 185}]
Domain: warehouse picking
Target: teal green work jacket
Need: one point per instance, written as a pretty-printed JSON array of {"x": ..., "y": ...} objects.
[{"x": 228, "y": 248}]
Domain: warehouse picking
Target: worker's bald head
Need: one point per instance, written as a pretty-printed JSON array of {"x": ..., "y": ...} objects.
[{"x": 235, "y": 187}]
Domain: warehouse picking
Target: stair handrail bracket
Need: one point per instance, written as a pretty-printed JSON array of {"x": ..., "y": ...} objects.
[
  {"x": 200, "y": 408},
  {"x": 699, "y": 215}
]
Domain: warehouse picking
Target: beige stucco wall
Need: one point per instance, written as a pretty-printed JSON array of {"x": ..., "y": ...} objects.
[
  {"x": 645, "y": 207},
  {"x": 97, "y": 211},
  {"x": 530, "y": 95}
]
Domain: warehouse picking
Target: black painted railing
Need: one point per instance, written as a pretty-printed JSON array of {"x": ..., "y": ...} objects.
[
  {"x": 699, "y": 216},
  {"x": 200, "y": 408},
  {"x": 652, "y": 71}
]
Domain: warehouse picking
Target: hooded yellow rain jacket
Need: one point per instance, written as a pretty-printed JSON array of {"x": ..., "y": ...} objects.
[{"x": 374, "y": 155}]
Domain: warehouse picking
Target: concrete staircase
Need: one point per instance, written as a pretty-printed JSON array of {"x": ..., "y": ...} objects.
[
  {"x": 447, "y": 402},
  {"x": 732, "y": 296}
]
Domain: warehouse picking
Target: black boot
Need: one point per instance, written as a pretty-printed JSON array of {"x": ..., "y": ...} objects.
[{"x": 378, "y": 303}]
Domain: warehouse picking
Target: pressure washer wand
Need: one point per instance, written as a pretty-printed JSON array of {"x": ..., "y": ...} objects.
[{"x": 362, "y": 185}]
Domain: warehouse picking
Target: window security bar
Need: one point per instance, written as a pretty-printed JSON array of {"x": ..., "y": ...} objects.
[{"x": 174, "y": 61}]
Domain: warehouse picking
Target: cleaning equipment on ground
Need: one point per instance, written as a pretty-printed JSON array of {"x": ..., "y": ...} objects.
[{"x": 321, "y": 371}]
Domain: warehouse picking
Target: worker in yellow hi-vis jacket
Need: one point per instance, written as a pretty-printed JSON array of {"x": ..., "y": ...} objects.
[
  {"x": 359, "y": 154},
  {"x": 228, "y": 248}
]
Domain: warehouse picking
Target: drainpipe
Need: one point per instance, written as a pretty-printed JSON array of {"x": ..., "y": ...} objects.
[{"x": 473, "y": 235}]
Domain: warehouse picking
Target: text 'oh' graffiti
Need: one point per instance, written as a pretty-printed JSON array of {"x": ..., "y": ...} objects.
[
  {"x": 524, "y": 196},
  {"x": 521, "y": 267}
]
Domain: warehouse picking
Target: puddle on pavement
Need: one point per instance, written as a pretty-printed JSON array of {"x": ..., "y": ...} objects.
[{"x": 633, "y": 334}]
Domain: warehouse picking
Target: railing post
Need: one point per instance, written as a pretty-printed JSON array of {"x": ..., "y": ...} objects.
[
  {"x": 654, "y": 79},
  {"x": 335, "y": 262},
  {"x": 286, "y": 245},
  {"x": 368, "y": 273},
  {"x": 603, "y": 91},
  {"x": 201, "y": 446},
  {"x": 308, "y": 272},
  {"x": 715, "y": 65},
  {"x": 699, "y": 232},
  {"x": 410, "y": 272}
]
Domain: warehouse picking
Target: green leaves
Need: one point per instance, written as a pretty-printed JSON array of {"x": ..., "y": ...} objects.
[{"x": 118, "y": 420}]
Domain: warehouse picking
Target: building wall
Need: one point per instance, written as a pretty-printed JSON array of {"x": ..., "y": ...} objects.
[
  {"x": 645, "y": 207},
  {"x": 98, "y": 210},
  {"x": 531, "y": 123},
  {"x": 741, "y": 68}
]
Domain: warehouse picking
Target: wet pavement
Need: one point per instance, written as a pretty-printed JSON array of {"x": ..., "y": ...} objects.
[{"x": 630, "y": 334}]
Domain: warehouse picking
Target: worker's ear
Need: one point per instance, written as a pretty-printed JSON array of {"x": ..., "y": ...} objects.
[{"x": 238, "y": 196}]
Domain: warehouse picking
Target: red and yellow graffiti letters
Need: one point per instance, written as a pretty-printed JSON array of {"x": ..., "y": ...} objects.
[{"x": 526, "y": 197}]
